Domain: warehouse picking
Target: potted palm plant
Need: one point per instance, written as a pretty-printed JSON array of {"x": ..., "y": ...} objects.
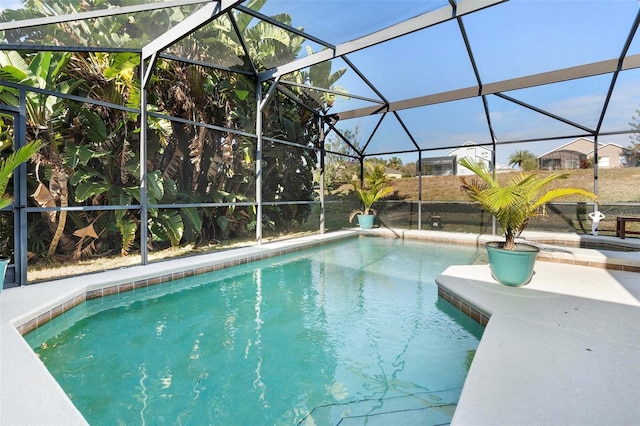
[
  {"x": 513, "y": 203},
  {"x": 7, "y": 166},
  {"x": 373, "y": 190}
]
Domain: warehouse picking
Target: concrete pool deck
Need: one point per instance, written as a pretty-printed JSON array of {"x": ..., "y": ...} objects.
[
  {"x": 562, "y": 350},
  {"x": 565, "y": 349}
]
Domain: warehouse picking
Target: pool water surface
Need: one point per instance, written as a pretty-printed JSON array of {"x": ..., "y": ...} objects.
[{"x": 346, "y": 333}]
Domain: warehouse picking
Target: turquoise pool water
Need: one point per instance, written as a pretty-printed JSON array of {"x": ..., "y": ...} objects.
[{"x": 346, "y": 333}]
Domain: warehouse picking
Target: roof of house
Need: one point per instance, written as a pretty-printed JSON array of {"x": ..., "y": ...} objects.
[
  {"x": 469, "y": 143},
  {"x": 561, "y": 147},
  {"x": 606, "y": 145},
  {"x": 503, "y": 167}
]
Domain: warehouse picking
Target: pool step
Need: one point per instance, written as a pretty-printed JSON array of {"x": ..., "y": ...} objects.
[{"x": 424, "y": 408}]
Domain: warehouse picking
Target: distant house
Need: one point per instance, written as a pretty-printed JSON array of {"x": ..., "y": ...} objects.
[
  {"x": 392, "y": 174},
  {"x": 610, "y": 155},
  {"x": 448, "y": 165},
  {"x": 438, "y": 166},
  {"x": 562, "y": 159},
  {"x": 475, "y": 152},
  {"x": 575, "y": 155},
  {"x": 502, "y": 168}
]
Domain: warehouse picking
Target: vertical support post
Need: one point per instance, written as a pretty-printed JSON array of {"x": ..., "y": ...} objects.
[
  {"x": 20, "y": 197},
  {"x": 419, "y": 190},
  {"x": 144, "y": 207},
  {"x": 595, "y": 170},
  {"x": 595, "y": 164},
  {"x": 323, "y": 153},
  {"x": 259, "y": 147},
  {"x": 494, "y": 223}
]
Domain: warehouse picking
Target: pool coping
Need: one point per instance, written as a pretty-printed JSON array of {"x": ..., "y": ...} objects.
[{"x": 24, "y": 308}]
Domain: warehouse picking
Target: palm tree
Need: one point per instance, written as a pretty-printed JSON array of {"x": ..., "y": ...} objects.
[
  {"x": 394, "y": 163},
  {"x": 525, "y": 160},
  {"x": 368, "y": 196},
  {"x": 515, "y": 202},
  {"x": 372, "y": 191}
]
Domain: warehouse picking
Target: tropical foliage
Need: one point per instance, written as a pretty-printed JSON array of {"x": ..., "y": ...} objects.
[
  {"x": 9, "y": 164},
  {"x": 199, "y": 149},
  {"x": 513, "y": 203}
]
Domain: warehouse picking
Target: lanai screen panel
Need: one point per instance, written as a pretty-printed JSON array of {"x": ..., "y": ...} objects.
[
  {"x": 127, "y": 30},
  {"x": 338, "y": 82},
  {"x": 505, "y": 40},
  {"x": 429, "y": 61},
  {"x": 448, "y": 125},
  {"x": 624, "y": 105},
  {"x": 339, "y": 21},
  {"x": 390, "y": 137},
  {"x": 271, "y": 45},
  {"x": 522, "y": 37},
  {"x": 578, "y": 101},
  {"x": 358, "y": 131},
  {"x": 217, "y": 43},
  {"x": 512, "y": 122}
]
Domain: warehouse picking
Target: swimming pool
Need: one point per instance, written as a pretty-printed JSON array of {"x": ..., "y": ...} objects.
[{"x": 350, "y": 329}]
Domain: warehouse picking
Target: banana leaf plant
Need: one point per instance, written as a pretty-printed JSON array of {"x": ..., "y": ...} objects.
[
  {"x": 9, "y": 164},
  {"x": 513, "y": 203}
]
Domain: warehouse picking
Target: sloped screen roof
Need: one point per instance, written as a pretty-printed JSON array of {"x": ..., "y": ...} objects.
[{"x": 411, "y": 75}]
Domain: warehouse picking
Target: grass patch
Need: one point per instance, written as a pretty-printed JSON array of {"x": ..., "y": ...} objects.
[{"x": 614, "y": 185}]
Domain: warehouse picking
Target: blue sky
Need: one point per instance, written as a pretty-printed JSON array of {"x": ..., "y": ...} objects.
[{"x": 10, "y": 4}]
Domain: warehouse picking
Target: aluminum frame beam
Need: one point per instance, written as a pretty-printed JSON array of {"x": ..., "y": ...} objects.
[
  {"x": 621, "y": 63},
  {"x": 94, "y": 14},
  {"x": 556, "y": 76},
  {"x": 333, "y": 92}
]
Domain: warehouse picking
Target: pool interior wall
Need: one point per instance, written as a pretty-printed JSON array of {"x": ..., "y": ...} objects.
[
  {"x": 23, "y": 309},
  {"x": 220, "y": 261},
  {"x": 363, "y": 328}
]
